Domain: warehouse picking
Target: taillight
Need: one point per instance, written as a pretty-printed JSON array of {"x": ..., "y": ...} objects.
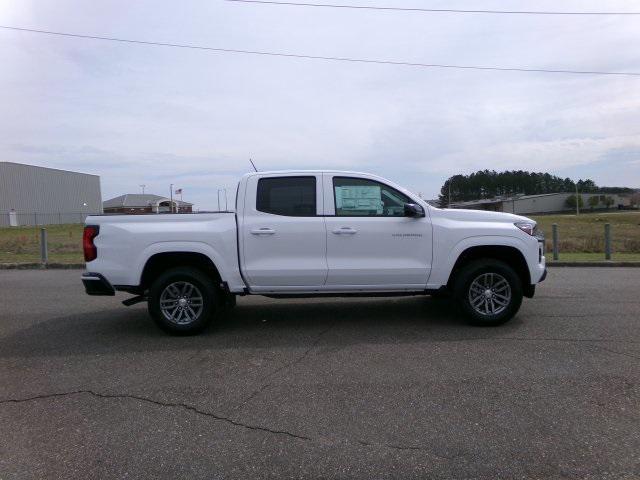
[{"x": 90, "y": 250}]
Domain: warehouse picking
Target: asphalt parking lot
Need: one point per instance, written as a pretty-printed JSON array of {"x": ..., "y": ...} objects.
[{"x": 327, "y": 388}]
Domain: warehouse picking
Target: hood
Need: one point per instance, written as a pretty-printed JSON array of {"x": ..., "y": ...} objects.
[{"x": 482, "y": 216}]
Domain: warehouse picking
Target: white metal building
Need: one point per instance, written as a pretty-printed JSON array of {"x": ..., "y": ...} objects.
[
  {"x": 543, "y": 203},
  {"x": 31, "y": 195}
]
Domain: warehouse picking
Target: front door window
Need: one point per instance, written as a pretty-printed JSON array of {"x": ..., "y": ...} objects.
[{"x": 360, "y": 197}]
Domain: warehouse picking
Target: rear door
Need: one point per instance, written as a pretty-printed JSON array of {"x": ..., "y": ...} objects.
[
  {"x": 371, "y": 244},
  {"x": 283, "y": 232}
]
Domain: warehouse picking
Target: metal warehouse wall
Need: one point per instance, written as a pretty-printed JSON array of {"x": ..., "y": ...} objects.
[
  {"x": 45, "y": 195},
  {"x": 557, "y": 203},
  {"x": 549, "y": 203}
]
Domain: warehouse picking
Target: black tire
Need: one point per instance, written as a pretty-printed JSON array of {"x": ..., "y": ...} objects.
[
  {"x": 488, "y": 270},
  {"x": 195, "y": 315}
]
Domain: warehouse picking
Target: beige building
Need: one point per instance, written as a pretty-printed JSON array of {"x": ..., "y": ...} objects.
[{"x": 136, "y": 203}]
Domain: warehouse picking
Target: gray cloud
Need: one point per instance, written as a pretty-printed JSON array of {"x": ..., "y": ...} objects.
[{"x": 136, "y": 114}]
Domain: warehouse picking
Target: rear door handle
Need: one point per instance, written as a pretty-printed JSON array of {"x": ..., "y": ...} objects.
[
  {"x": 345, "y": 231},
  {"x": 263, "y": 231}
]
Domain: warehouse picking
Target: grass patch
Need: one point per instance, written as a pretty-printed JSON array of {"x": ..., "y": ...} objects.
[
  {"x": 593, "y": 257},
  {"x": 585, "y": 233},
  {"x": 581, "y": 238},
  {"x": 22, "y": 244}
]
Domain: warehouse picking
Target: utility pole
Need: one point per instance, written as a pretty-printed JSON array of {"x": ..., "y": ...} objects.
[
  {"x": 171, "y": 196},
  {"x": 142, "y": 186},
  {"x": 577, "y": 201},
  {"x": 449, "y": 206}
]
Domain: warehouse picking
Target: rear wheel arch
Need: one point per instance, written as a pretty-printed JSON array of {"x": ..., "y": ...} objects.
[{"x": 159, "y": 263}]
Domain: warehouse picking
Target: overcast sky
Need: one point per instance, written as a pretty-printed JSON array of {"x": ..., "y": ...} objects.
[{"x": 137, "y": 114}]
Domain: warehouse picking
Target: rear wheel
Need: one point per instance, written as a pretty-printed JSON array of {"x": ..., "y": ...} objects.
[
  {"x": 183, "y": 301},
  {"x": 488, "y": 291}
]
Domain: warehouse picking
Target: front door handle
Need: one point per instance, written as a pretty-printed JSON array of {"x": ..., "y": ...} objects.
[
  {"x": 345, "y": 231},
  {"x": 263, "y": 231}
]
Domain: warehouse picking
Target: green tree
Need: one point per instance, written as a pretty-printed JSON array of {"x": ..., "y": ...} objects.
[
  {"x": 608, "y": 201},
  {"x": 571, "y": 201},
  {"x": 489, "y": 184},
  {"x": 594, "y": 200}
]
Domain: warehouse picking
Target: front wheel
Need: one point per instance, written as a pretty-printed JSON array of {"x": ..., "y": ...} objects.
[
  {"x": 488, "y": 291},
  {"x": 183, "y": 301}
]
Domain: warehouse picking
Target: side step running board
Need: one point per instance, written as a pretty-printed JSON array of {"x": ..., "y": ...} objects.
[{"x": 133, "y": 300}]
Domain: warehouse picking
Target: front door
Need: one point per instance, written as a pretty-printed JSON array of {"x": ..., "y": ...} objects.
[
  {"x": 283, "y": 233},
  {"x": 370, "y": 241}
]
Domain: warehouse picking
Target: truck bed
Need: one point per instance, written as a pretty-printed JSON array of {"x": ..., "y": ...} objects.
[{"x": 126, "y": 242}]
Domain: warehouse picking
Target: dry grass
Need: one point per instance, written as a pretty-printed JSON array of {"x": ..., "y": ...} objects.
[
  {"x": 585, "y": 233},
  {"x": 22, "y": 244},
  {"x": 581, "y": 238}
]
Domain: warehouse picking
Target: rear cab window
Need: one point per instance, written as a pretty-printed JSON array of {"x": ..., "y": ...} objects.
[{"x": 287, "y": 196}]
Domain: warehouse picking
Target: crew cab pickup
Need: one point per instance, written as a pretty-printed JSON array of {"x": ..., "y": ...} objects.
[{"x": 314, "y": 233}]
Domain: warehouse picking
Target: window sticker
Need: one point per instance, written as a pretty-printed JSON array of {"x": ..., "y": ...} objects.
[{"x": 360, "y": 198}]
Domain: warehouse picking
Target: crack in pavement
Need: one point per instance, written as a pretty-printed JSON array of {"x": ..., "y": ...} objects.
[
  {"x": 625, "y": 354},
  {"x": 211, "y": 415},
  {"x": 185, "y": 406},
  {"x": 406, "y": 448},
  {"x": 161, "y": 404},
  {"x": 283, "y": 367}
]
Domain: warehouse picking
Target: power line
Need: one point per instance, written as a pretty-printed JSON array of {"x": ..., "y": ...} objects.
[
  {"x": 428, "y": 10},
  {"x": 319, "y": 57}
]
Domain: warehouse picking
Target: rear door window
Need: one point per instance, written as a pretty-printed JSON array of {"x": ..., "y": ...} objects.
[{"x": 288, "y": 196}]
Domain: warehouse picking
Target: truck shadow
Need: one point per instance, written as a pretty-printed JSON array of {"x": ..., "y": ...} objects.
[{"x": 255, "y": 323}]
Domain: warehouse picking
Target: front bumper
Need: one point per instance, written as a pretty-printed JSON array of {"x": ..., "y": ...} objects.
[
  {"x": 544, "y": 275},
  {"x": 96, "y": 284}
]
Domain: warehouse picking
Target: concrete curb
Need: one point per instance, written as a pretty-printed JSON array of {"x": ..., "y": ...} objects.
[
  {"x": 604, "y": 263},
  {"x": 40, "y": 266}
]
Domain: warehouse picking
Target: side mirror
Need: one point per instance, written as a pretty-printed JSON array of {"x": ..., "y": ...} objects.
[{"x": 413, "y": 210}]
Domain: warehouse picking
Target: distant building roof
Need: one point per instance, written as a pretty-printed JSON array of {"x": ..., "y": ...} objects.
[
  {"x": 546, "y": 195},
  {"x": 46, "y": 168},
  {"x": 481, "y": 201},
  {"x": 499, "y": 199},
  {"x": 132, "y": 200}
]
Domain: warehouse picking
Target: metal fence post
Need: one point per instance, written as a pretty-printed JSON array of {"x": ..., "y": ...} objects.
[
  {"x": 607, "y": 241},
  {"x": 554, "y": 229},
  {"x": 44, "y": 254}
]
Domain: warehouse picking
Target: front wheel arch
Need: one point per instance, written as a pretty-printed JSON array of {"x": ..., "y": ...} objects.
[{"x": 504, "y": 253}]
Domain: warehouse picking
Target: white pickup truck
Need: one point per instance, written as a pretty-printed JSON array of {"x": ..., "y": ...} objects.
[{"x": 314, "y": 233}]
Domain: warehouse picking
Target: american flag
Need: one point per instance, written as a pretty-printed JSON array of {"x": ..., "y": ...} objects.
[{"x": 179, "y": 191}]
